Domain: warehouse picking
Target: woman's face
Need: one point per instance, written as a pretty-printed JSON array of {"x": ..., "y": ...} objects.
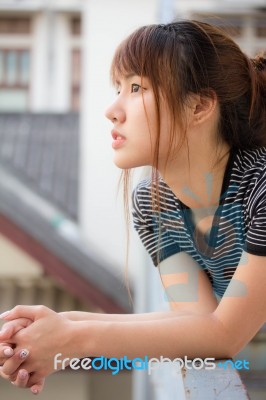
[{"x": 134, "y": 119}]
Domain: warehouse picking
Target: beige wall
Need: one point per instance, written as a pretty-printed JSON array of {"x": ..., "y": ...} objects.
[
  {"x": 22, "y": 281},
  {"x": 15, "y": 262}
]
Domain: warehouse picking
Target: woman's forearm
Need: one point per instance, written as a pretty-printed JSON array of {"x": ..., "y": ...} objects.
[
  {"x": 151, "y": 316},
  {"x": 190, "y": 335}
]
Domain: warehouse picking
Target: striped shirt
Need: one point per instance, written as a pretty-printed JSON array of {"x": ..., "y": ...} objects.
[{"x": 239, "y": 221}]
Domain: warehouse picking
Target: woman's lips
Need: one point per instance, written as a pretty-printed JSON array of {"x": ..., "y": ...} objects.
[{"x": 118, "y": 141}]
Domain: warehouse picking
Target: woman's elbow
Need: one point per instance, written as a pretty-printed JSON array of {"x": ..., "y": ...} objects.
[{"x": 229, "y": 344}]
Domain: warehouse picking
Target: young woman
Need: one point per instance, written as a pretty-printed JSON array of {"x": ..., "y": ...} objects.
[{"x": 193, "y": 106}]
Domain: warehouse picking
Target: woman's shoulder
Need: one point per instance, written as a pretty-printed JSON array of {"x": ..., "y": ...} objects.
[
  {"x": 250, "y": 172},
  {"x": 251, "y": 159},
  {"x": 148, "y": 187},
  {"x": 149, "y": 184},
  {"x": 145, "y": 184},
  {"x": 143, "y": 189},
  {"x": 142, "y": 193},
  {"x": 147, "y": 190}
]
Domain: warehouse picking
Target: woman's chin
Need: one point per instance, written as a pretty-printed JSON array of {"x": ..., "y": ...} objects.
[{"x": 125, "y": 163}]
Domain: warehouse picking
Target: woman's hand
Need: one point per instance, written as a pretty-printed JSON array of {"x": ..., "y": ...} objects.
[
  {"x": 6, "y": 351},
  {"x": 9, "y": 329},
  {"x": 47, "y": 335},
  {"x": 22, "y": 381}
]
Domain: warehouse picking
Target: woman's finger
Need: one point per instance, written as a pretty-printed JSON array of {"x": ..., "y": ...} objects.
[
  {"x": 6, "y": 350},
  {"x": 12, "y": 364},
  {"x": 22, "y": 379},
  {"x": 10, "y": 328},
  {"x": 2, "y": 374},
  {"x": 26, "y": 380},
  {"x": 5, "y": 353},
  {"x": 29, "y": 312},
  {"x": 36, "y": 384}
]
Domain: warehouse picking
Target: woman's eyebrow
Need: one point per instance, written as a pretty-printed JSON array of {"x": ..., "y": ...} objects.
[
  {"x": 126, "y": 78},
  {"x": 129, "y": 76}
]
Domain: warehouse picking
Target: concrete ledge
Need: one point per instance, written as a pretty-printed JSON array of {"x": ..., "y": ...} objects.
[{"x": 221, "y": 383}]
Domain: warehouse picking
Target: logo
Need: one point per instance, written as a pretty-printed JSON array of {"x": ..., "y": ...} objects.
[{"x": 231, "y": 364}]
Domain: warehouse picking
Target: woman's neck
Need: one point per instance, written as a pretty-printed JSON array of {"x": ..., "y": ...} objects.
[{"x": 200, "y": 185}]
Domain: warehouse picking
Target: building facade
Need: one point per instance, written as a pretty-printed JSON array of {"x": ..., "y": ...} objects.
[{"x": 40, "y": 56}]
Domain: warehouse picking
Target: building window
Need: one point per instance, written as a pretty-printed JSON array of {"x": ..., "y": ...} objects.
[
  {"x": 76, "y": 26},
  {"x": 15, "y": 26},
  {"x": 14, "y": 79},
  {"x": 75, "y": 79}
]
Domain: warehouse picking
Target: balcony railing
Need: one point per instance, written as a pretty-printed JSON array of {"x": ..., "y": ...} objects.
[{"x": 221, "y": 383}]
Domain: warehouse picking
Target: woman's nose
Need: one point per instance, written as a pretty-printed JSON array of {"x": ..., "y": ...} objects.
[
  {"x": 115, "y": 113},
  {"x": 109, "y": 114}
]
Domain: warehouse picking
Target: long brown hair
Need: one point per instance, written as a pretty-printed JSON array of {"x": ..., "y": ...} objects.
[{"x": 186, "y": 57}]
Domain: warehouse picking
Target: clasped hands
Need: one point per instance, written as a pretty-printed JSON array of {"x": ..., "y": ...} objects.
[{"x": 29, "y": 340}]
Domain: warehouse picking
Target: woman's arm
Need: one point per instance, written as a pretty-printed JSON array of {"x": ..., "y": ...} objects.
[
  {"x": 219, "y": 334},
  {"x": 193, "y": 336},
  {"x": 187, "y": 290},
  {"x": 171, "y": 276},
  {"x": 151, "y": 316},
  {"x": 52, "y": 334},
  {"x": 179, "y": 273}
]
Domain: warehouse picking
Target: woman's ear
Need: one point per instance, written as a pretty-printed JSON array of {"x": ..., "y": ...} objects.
[{"x": 203, "y": 106}]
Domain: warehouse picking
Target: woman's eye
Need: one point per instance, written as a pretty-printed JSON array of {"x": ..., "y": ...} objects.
[{"x": 135, "y": 88}]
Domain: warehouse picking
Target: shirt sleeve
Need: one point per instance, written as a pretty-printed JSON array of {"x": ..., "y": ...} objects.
[
  {"x": 154, "y": 236},
  {"x": 256, "y": 235}
]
